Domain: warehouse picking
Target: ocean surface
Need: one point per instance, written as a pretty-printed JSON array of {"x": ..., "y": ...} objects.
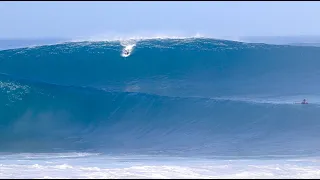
[{"x": 173, "y": 108}]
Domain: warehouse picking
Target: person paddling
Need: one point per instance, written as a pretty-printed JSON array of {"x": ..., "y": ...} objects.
[{"x": 304, "y": 101}]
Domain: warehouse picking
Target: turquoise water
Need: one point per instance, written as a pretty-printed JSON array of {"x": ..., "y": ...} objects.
[{"x": 179, "y": 98}]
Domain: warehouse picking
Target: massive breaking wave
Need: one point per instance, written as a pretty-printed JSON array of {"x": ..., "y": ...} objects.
[{"x": 193, "y": 96}]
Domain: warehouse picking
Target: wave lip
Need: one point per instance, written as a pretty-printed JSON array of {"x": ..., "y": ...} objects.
[{"x": 138, "y": 37}]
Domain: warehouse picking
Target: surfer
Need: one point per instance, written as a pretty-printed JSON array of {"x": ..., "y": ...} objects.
[
  {"x": 126, "y": 52},
  {"x": 304, "y": 101}
]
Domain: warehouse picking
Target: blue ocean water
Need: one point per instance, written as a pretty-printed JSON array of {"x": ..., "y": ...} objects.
[{"x": 216, "y": 108}]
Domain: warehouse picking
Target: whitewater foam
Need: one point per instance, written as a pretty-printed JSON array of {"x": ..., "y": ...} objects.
[
  {"x": 108, "y": 167},
  {"x": 14, "y": 91}
]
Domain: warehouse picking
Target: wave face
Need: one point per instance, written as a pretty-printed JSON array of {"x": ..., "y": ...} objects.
[{"x": 192, "y": 96}]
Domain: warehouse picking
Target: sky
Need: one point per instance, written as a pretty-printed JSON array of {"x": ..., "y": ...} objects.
[{"x": 105, "y": 19}]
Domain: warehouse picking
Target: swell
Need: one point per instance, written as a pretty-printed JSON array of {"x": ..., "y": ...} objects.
[{"x": 38, "y": 116}]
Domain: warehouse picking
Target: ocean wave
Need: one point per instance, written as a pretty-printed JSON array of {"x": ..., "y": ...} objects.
[{"x": 178, "y": 96}]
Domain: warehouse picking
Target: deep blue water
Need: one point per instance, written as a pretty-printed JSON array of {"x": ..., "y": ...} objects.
[{"x": 186, "y": 97}]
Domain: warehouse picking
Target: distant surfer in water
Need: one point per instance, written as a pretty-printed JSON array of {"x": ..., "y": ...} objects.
[
  {"x": 126, "y": 52},
  {"x": 304, "y": 101}
]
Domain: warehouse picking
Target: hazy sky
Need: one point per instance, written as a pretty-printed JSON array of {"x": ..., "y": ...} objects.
[{"x": 215, "y": 19}]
